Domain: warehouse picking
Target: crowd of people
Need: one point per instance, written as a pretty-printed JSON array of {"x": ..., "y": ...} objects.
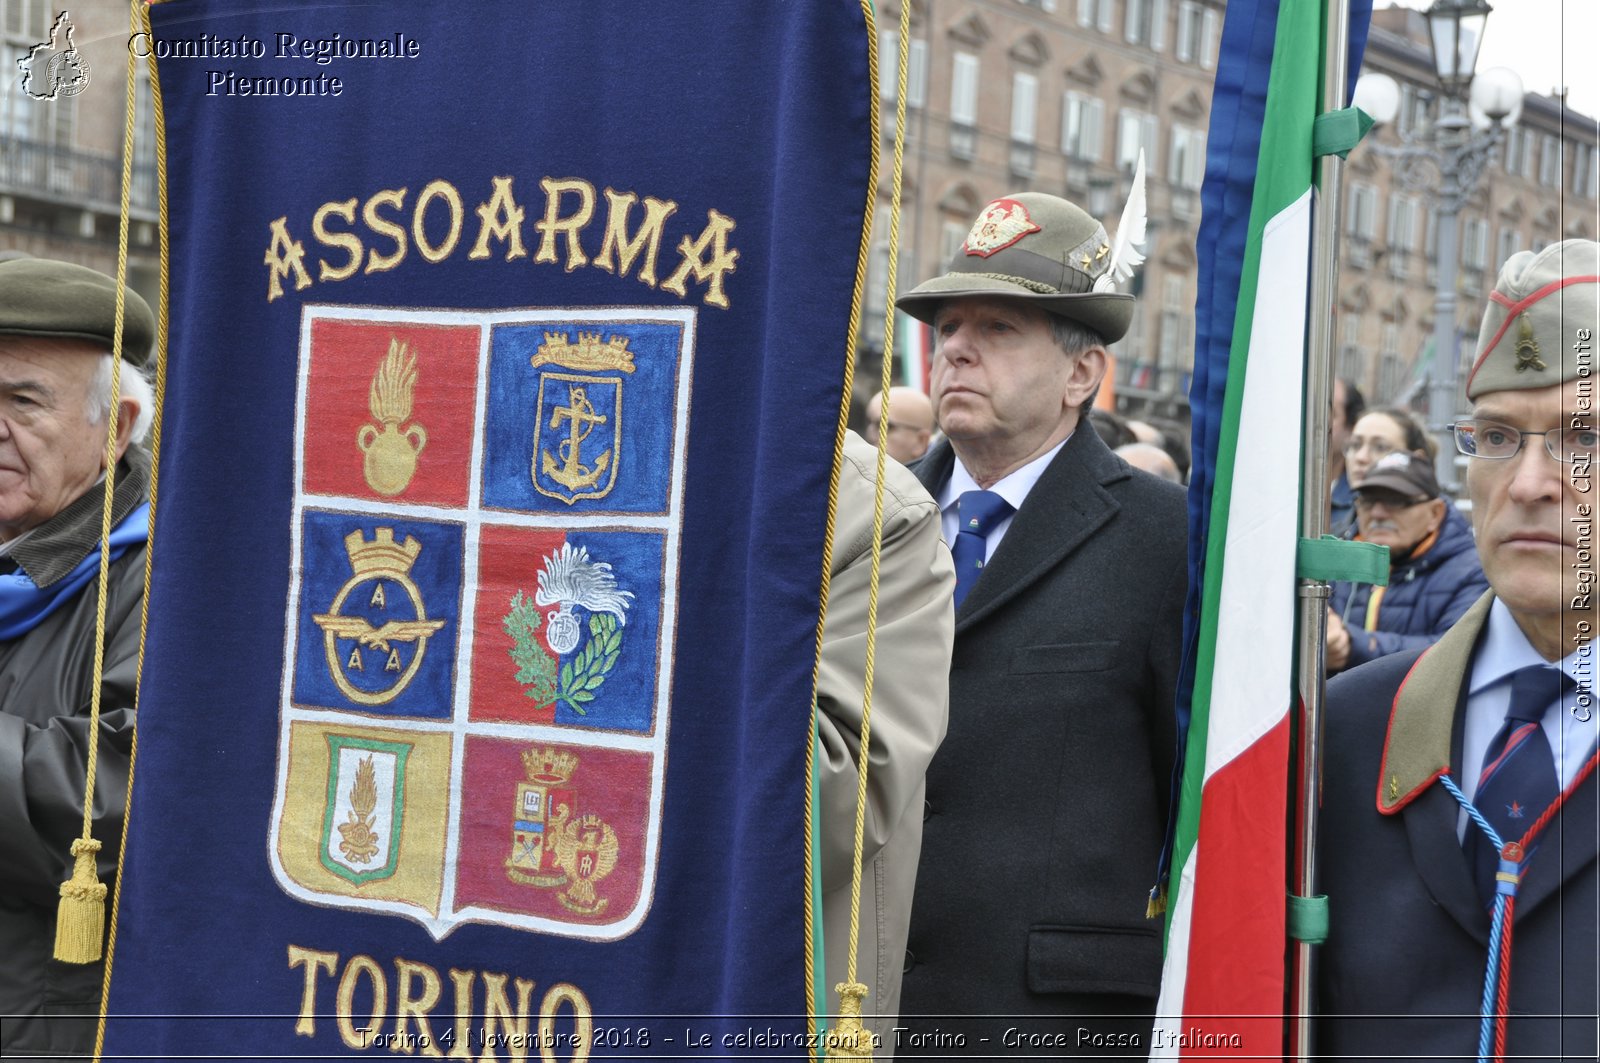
[{"x": 1031, "y": 598}]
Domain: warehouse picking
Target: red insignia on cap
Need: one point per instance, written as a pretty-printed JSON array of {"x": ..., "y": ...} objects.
[{"x": 1002, "y": 223}]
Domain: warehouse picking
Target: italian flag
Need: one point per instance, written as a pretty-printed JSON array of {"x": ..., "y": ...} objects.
[{"x": 1222, "y": 989}]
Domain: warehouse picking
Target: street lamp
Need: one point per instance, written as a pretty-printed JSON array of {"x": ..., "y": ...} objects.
[
  {"x": 1448, "y": 159},
  {"x": 1455, "y": 30}
]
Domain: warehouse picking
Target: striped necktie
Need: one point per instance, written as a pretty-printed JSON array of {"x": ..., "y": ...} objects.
[{"x": 1518, "y": 779}]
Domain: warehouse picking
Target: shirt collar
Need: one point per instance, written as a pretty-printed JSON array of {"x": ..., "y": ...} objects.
[
  {"x": 1013, "y": 487},
  {"x": 1505, "y": 649}
]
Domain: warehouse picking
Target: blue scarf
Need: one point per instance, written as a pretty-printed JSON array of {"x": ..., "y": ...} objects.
[{"x": 23, "y": 603}]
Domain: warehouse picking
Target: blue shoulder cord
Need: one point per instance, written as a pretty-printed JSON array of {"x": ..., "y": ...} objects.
[{"x": 1507, "y": 880}]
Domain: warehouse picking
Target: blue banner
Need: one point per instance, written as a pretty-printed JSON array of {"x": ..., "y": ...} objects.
[{"x": 507, "y": 350}]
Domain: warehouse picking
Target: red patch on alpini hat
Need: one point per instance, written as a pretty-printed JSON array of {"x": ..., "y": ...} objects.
[{"x": 1002, "y": 223}]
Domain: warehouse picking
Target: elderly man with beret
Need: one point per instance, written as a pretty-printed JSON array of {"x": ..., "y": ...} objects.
[
  {"x": 1460, "y": 802},
  {"x": 1434, "y": 574},
  {"x": 56, "y": 334},
  {"x": 1046, "y": 802}
]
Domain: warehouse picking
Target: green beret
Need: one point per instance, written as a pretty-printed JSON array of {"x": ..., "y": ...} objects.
[
  {"x": 1038, "y": 248},
  {"x": 46, "y": 298},
  {"x": 1531, "y": 325}
]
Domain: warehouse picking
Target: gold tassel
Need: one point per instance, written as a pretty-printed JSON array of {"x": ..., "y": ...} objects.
[
  {"x": 850, "y": 1039},
  {"x": 81, "y": 915},
  {"x": 1157, "y": 904}
]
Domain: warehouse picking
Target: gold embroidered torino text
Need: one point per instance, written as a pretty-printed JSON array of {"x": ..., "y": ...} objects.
[{"x": 377, "y": 234}]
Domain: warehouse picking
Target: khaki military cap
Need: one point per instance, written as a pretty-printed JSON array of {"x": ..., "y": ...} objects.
[
  {"x": 1539, "y": 305},
  {"x": 59, "y": 300},
  {"x": 1038, "y": 248}
]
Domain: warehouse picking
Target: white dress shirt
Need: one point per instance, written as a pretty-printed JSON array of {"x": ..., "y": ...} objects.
[{"x": 1013, "y": 487}]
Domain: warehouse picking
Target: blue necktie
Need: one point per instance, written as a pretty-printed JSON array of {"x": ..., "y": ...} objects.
[
  {"x": 1518, "y": 779},
  {"x": 977, "y": 512}
]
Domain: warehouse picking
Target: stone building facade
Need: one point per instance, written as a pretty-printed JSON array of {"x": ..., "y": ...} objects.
[
  {"x": 1537, "y": 189},
  {"x": 61, "y": 157},
  {"x": 1058, "y": 95}
]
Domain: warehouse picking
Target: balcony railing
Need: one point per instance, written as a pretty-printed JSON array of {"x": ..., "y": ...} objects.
[{"x": 34, "y": 168}]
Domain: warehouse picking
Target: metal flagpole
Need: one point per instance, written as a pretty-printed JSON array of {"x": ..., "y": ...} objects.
[{"x": 1313, "y": 616}]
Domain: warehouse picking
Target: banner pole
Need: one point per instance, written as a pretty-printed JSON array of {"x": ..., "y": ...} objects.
[{"x": 1313, "y": 618}]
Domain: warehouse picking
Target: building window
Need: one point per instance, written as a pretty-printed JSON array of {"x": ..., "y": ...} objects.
[
  {"x": 26, "y": 23},
  {"x": 1361, "y": 217},
  {"x": 1403, "y": 224},
  {"x": 1391, "y": 375},
  {"x": 952, "y": 234},
  {"x": 877, "y": 288},
  {"x": 889, "y": 67},
  {"x": 1175, "y": 350},
  {"x": 1145, "y": 22},
  {"x": 1509, "y": 244},
  {"x": 1082, "y": 117},
  {"x": 1024, "y": 107},
  {"x": 1475, "y": 244},
  {"x": 1095, "y": 13},
  {"x": 1352, "y": 359},
  {"x": 1024, "y": 122},
  {"x": 1519, "y": 152},
  {"x": 1583, "y": 171},
  {"x": 1414, "y": 109},
  {"x": 1135, "y": 130},
  {"x": 1550, "y": 162},
  {"x": 1197, "y": 33},
  {"x": 964, "y": 106},
  {"x": 1186, "y": 166}
]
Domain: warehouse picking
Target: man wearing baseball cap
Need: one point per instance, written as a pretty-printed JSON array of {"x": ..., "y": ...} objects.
[
  {"x": 57, "y": 324},
  {"x": 1460, "y": 826},
  {"x": 1434, "y": 575},
  {"x": 1046, "y": 801}
]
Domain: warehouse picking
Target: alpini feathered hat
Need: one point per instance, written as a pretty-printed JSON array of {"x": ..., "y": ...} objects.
[{"x": 1049, "y": 252}]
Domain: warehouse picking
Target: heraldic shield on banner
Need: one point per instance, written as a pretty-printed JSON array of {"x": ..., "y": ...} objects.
[{"x": 476, "y": 680}]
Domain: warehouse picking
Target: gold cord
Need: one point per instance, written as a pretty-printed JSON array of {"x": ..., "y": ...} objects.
[
  {"x": 852, "y": 331},
  {"x": 851, "y": 1039},
  {"x": 877, "y": 499},
  {"x": 141, "y": 23},
  {"x": 81, "y": 914}
]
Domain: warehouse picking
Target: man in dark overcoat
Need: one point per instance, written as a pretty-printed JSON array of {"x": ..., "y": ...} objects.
[
  {"x": 1046, "y": 803},
  {"x": 1494, "y": 727}
]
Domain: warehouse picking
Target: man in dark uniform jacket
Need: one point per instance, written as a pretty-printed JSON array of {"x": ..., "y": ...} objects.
[
  {"x": 1046, "y": 801},
  {"x": 1500, "y": 714}
]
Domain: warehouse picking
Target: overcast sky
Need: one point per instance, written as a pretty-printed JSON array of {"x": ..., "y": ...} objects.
[{"x": 1547, "y": 42}]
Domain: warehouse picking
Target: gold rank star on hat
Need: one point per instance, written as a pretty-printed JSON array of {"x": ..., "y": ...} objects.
[
  {"x": 1048, "y": 252},
  {"x": 1538, "y": 328}
]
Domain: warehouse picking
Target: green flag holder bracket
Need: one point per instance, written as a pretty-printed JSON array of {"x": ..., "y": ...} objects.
[
  {"x": 1307, "y": 919},
  {"x": 1332, "y": 559},
  {"x": 1336, "y": 132}
]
